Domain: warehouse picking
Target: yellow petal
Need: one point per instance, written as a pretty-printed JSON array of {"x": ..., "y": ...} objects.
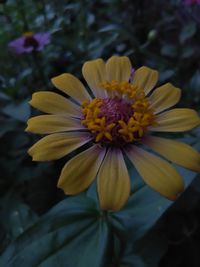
[
  {"x": 145, "y": 78},
  {"x": 53, "y": 103},
  {"x": 118, "y": 68},
  {"x": 164, "y": 97},
  {"x": 175, "y": 151},
  {"x": 80, "y": 171},
  {"x": 71, "y": 86},
  {"x": 113, "y": 181},
  {"x": 156, "y": 172},
  {"x": 176, "y": 120},
  {"x": 58, "y": 145},
  {"x": 46, "y": 124},
  {"x": 94, "y": 74}
]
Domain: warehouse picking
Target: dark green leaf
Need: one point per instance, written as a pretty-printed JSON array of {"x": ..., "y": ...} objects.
[
  {"x": 169, "y": 50},
  {"x": 7, "y": 125},
  {"x": 187, "y": 31},
  {"x": 17, "y": 215},
  {"x": 187, "y": 52},
  {"x": 133, "y": 225},
  {"x": 19, "y": 112},
  {"x": 144, "y": 207},
  {"x": 109, "y": 27},
  {"x": 72, "y": 234}
]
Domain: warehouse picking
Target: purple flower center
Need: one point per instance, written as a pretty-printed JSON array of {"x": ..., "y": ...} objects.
[
  {"x": 30, "y": 41},
  {"x": 115, "y": 109},
  {"x": 123, "y": 117}
]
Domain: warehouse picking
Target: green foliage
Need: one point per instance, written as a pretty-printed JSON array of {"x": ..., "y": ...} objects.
[{"x": 74, "y": 232}]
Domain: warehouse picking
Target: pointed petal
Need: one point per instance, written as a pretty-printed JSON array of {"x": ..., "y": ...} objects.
[
  {"x": 94, "y": 74},
  {"x": 164, "y": 97},
  {"x": 58, "y": 145},
  {"x": 113, "y": 181},
  {"x": 176, "y": 120},
  {"x": 53, "y": 103},
  {"x": 71, "y": 86},
  {"x": 46, "y": 124},
  {"x": 145, "y": 78},
  {"x": 175, "y": 151},
  {"x": 156, "y": 172},
  {"x": 80, "y": 171},
  {"x": 118, "y": 68}
]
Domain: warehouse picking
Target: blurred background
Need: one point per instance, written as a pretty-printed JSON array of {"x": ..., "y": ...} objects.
[{"x": 41, "y": 39}]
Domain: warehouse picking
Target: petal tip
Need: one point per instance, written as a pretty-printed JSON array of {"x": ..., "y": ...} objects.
[{"x": 56, "y": 79}]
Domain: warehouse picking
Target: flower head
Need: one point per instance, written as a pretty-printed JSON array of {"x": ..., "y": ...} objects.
[
  {"x": 30, "y": 42},
  {"x": 117, "y": 119}
]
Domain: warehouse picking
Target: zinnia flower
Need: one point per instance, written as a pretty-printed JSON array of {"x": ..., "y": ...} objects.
[
  {"x": 30, "y": 42},
  {"x": 116, "y": 118}
]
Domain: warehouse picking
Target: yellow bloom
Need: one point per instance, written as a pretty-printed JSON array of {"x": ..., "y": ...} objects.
[{"x": 119, "y": 118}]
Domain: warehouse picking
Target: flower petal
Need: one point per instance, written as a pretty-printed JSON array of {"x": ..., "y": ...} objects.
[
  {"x": 156, "y": 172},
  {"x": 71, "y": 86},
  {"x": 46, "y": 124},
  {"x": 145, "y": 78},
  {"x": 53, "y": 103},
  {"x": 118, "y": 68},
  {"x": 58, "y": 145},
  {"x": 94, "y": 74},
  {"x": 113, "y": 181},
  {"x": 80, "y": 171},
  {"x": 175, "y": 151},
  {"x": 176, "y": 120},
  {"x": 164, "y": 97}
]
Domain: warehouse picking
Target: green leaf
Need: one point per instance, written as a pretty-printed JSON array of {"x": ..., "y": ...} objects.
[
  {"x": 195, "y": 82},
  {"x": 142, "y": 211},
  {"x": 7, "y": 125},
  {"x": 166, "y": 75},
  {"x": 17, "y": 216},
  {"x": 73, "y": 233},
  {"x": 76, "y": 233},
  {"x": 20, "y": 218},
  {"x": 169, "y": 50},
  {"x": 151, "y": 247},
  {"x": 144, "y": 207},
  {"x": 130, "y": 259},
  {"x": 134, "y": 224},
  {"x": 187, "y": 32},
  {"x": 3, "y": 98},
  {"x": 187, "y": 52},
  {"x": 19, "y": 112},
  {"x": 110, "y": 27}
]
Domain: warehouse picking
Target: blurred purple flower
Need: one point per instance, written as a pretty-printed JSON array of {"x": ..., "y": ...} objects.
[
  {"x": 191, "y": 2},
  {"x": 30, "y": 42}
]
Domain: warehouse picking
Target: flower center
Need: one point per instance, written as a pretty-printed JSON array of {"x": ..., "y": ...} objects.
[
  {"x": 121, "y": 117},
  {"x": 30, "y": 40}
]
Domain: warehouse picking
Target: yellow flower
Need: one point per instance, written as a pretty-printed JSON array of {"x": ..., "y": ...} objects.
[{"x": 118, "y": 118}]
